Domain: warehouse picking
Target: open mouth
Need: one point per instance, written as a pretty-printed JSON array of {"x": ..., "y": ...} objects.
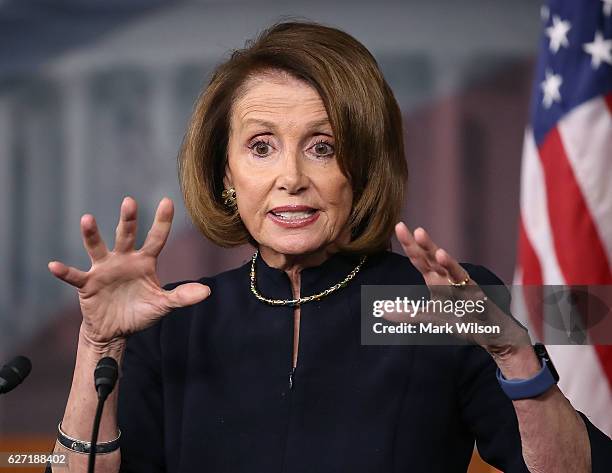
[{"x": 294, "y": 215}]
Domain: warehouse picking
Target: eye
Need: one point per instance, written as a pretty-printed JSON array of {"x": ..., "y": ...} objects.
[
  {"x": 260, "y": 148},
  {"x": 323, "y": 148}
]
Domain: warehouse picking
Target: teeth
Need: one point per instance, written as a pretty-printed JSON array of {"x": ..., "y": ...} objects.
[{"x": 294, "y": 215}]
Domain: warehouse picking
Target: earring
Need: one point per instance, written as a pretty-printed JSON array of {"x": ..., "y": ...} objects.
[{"x": 229, "y": 198}]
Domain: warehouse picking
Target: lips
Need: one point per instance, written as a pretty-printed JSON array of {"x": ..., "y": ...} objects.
[
  {"x": 293, "y": 216},
  {"x": 293, "y": 212}
]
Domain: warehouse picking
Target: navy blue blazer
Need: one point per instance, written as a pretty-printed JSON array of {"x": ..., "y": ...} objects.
[{"x": 207, "y": 388}]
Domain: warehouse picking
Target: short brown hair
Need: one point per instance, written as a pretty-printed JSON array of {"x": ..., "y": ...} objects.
[{"x": 363, "y": 113}]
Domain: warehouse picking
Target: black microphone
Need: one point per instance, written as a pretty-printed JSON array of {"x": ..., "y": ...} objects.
[
  {"x": 105, "y": 378},
  {"x": 13, "y": 373}
]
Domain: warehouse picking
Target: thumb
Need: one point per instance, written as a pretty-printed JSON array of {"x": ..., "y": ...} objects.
[{"x": 187, "y": 294}]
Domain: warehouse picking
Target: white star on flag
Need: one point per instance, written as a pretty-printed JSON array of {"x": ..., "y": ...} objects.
[
  {"x": 600, "y": 50},
  {"x": 607, "y": 7},
  {"x": 550, "y": 87},
  {"x": 558, "y": 33}
]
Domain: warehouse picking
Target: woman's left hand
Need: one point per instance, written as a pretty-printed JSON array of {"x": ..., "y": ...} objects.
[{"x": 439, "y": 269}]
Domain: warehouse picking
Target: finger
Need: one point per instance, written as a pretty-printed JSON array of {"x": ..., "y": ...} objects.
[
  {"x": 187, "y": 294},
  {"x": 72, "y": 276},
  {"x": 92, "y": 240},
  {"x": 424, "y": 241},
  {"x": 158, "y": 234},
  {"x": 454, "y": 270},
  {"x": 125, "y": 236},
  {"x": 411, "y": 248},
  {"x": 417, "y": 254}
]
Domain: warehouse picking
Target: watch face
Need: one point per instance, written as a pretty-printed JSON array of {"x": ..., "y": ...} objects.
[{"x": 542, "y": 354}]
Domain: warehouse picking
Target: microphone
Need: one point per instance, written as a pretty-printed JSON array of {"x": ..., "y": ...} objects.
[
  {"x": 105, "y": 378},
  {"x": 13, "y": 373}
]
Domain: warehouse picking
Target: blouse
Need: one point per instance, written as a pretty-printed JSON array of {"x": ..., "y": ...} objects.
[{"x": 207, "y": 389}]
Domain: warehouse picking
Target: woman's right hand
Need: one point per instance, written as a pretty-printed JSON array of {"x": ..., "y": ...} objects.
[{"x": 121, "y": 294}]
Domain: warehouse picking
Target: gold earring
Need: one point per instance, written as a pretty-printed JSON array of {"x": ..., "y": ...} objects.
[{"x": 229, "y": 198}]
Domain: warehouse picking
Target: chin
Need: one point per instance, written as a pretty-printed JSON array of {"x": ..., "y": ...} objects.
[{"x": 295, "y": 245}]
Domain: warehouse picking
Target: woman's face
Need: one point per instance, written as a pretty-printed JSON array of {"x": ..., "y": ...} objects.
[{"x": 291, "y": 194}]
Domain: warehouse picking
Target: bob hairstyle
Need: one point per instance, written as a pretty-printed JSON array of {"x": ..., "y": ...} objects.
[{"x": 362, "y": 111}]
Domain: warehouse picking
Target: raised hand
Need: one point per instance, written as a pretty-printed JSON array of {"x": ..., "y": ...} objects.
[
  {"x": 440, "y": 271},
  {"x": 121, "y": 293}
]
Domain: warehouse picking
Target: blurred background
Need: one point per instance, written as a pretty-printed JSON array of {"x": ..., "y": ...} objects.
[{"x": 94, "y": 99}]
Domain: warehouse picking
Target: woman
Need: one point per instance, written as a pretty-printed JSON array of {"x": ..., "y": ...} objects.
[{"x": 296, "y": 147}]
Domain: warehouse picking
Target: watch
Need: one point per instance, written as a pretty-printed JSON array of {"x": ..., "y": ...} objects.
[{"x": 517, "y": 389}]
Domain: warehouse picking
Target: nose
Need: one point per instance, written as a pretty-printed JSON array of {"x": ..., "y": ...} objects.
[{"x": 291, "y": 177}]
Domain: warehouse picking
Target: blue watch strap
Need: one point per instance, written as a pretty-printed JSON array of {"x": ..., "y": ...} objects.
[{"x": 517, "y": 389}]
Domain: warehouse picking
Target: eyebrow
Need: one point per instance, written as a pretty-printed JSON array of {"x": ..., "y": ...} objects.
[{"x": 257, "y": 121}]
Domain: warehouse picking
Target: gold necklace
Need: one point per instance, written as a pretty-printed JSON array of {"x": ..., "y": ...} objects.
[{"x": 301, "y": 300}]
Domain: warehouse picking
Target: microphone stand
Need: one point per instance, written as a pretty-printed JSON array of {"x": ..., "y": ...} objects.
[{"x": 105, "y": 378}]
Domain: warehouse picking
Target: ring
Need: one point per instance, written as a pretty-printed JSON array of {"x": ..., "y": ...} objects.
[{"x": 461, "y": 283}]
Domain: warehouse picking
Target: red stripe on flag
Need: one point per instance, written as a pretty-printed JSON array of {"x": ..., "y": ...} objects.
[
  {"x": 604, "y": 352},
  {"x": 579, "y": 250},
  {"x": 608, "y": 99},
  {"x": 531, "y": 280}
]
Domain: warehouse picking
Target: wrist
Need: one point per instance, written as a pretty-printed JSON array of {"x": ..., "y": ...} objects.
[
  {"x": 518, "y": 362},
  {"x": 113, "y": 348}
]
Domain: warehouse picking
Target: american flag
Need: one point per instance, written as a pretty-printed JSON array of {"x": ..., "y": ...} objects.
[{"x": 565, "y": 234}]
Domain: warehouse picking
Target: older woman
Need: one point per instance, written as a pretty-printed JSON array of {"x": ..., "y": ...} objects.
[{"x": 296, "y": 147}]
